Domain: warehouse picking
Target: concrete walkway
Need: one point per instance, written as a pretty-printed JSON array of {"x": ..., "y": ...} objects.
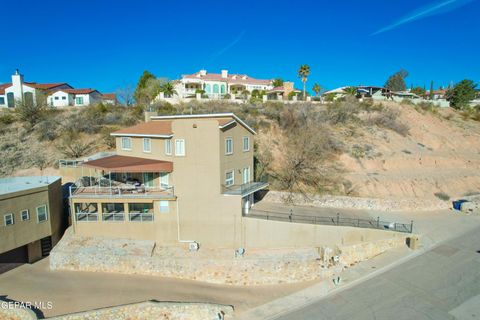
[{"x": 74, "y": 291}]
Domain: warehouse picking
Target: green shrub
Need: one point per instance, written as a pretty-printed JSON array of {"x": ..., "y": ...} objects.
[
  {"x": 442, "y": 196},
  {"x": 6, "y": 118}
]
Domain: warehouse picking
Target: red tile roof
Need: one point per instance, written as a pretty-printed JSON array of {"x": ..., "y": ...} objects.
[
  {"x": 109, "y": 96},
  {"x": 3, "y": 87},
  {"x": 147, "y": 128},
  {"x": 231, "y": 78},
  {"x": 130, "y": 164},
  {"x": 45, "y": 86}
]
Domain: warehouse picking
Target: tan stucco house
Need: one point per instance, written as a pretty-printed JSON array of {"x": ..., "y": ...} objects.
[
  {"x": 30, "y": 217},
  {"x": 173, "y": 179}
]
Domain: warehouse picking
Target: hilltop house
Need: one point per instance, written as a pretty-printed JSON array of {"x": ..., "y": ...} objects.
[
  {"x": 30, "y": 217},
  {"x": 59, "y": 94},
  {"x": 184, "y": 178}
]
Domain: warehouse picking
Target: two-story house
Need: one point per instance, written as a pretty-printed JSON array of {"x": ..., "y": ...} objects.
[
  {"x": 184, "y": 178},
  {"x": 31, "y": 217}
]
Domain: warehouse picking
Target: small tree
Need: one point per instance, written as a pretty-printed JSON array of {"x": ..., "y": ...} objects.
[
  {"x": 168, "y": 89},
  {"x": 419, "y": 91},
  {"x": 72, "y": 146},
  {"x": 278, "y": 82},
  {"x": 303, "y": 73},
  {"x": 31, "y": 113},
  {"x": 350, "y": 91},
  {"x": 316, "y": 88},
  {"x": 396, "y": 82},
  {"x": 125, "y": 95},
  {"x": 461, "y": 94}
]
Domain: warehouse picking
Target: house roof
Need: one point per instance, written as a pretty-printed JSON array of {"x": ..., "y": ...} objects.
[
  {"x": 109, "y": 96},
  {"x": 129, "y": 164},
  {"x": 75, "y": 91},
  {"x": 223, "y": 119},
  {"x": 15, "y": 184},
  {"x": 3, "y": 87},
  {"x": 158, "y": 129},
  {"x": 231, "y": 78},
  {"x": 45, "y": 86},
  {"x": 282, "y": 89}
]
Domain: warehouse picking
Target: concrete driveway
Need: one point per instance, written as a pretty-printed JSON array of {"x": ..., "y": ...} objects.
[{"x": 71, "y": 291}]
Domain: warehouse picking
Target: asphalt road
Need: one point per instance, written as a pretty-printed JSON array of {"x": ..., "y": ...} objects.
[{"x": 442, "y": 283}]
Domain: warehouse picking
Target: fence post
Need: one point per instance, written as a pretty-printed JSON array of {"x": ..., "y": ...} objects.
[
  {"x": 338, "y": 218},
  {"x": 358, "y": 222},
  {"x": 411, "y": 226},
  {"x": 378, "y": 222}
]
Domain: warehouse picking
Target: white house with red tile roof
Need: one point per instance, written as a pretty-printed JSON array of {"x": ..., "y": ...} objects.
[
  {"x": 59, "y": 94},
  {"x": 217, "y": 85}
]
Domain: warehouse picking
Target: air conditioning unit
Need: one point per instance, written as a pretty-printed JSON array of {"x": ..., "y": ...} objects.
[{"x": 193, "y": 246}]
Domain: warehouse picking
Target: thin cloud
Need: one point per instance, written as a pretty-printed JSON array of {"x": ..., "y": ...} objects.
[
  {"x": 227, "y": 47},
  {"x": 427, "y": 11}
]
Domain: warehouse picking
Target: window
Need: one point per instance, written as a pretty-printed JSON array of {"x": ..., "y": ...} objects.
[
  {"x": 78, "y": 100},
  {"x": 126, "y": 143},
  {"x": 140, "y": 212},
  {"x": 164, "y": 206},
  {"x": 246, "y": 175},
  {"x": 246, "y": 144},
  {"x": 228, "y": 146},
  {"x": 2, "y": 100},
  {"x": 113, "y": 212},
  {"x": 164, "y": 180},
  {"x": 229, "y": 178},
  {"x": 148, "y": 179},
  {"x": 86, "y": 211},
  {"x": 8, "y": 219},
  {"x": 25, "y": 215},
  {"x": 56, "y": 98},
  {"x": 42, "y": 214},
  {"x": 168, "y": 147},
  {"x": 147, "y": 145},
  {"x": 64, "y": 98},
  {"x": 180, "y": 147}
]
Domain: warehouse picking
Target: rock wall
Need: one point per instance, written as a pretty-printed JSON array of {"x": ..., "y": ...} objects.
[
  {"x": 156, "y": 310},
  {"x": 343, "y": 202},
  {"x": 255, "y": 267}
]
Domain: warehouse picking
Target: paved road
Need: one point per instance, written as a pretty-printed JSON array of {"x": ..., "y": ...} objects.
[{"x": 442, "y": 283}]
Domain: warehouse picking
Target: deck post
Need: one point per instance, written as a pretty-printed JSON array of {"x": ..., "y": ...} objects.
[{"x": 411, "y": 226}]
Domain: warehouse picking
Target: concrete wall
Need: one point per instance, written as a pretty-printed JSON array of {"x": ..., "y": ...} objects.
[{"x": 259, "y": 233}]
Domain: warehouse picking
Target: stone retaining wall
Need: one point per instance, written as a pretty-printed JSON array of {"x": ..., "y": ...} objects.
[
  {"x": 344, "y": 202},
  {"x": 256, "y": 267},
  {"x": 156, "y": 310}
]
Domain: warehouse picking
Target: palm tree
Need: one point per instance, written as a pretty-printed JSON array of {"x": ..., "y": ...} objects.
[
  {"x": 169, "y": 89},
  {"x": 316, "y": 88},
  {"x": 351, "y": 91},
  {"x": 303, "y": 73}
]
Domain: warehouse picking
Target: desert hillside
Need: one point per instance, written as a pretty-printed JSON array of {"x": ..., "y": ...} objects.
[{"x": 378, "y": 150}]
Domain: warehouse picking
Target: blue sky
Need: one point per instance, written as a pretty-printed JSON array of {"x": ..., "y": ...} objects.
[{"x": 107, "y": 44}]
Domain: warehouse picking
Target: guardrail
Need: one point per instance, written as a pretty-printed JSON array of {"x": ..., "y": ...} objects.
[
  {"x": 118, "y": 191},
  {"x": 333, "y": 221}
]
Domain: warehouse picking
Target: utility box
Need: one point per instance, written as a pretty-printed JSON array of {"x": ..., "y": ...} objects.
[{"x": 413, "y": 242}]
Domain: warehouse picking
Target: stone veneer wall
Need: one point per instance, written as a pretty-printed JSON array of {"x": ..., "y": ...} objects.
[
  {"x": 344, "y": 202},
  {"x": 156, "y": 310},
  {"x": 257, "y": 267}
]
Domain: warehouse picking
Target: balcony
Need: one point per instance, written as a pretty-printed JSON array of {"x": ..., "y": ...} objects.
[
  {"x": 122, "y": 191},
  {"x": 244, "y": 189}
]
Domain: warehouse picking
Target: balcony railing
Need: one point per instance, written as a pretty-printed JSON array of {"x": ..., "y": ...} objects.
[
  {"x": 122, "y": 191},
  {"x": 244, "y": 189}
]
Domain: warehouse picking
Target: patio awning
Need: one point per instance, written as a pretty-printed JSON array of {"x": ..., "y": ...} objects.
[{"x": 129, "y": 164}]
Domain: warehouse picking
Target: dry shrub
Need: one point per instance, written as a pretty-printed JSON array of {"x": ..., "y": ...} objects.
[{"x": 388, "y": 119}]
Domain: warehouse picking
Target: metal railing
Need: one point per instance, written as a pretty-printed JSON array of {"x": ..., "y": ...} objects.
[
  {"x": 333, "y": 221},
  {"x": 244, "y": 189},
  {"x": 119, "y": 191},
  {"x": 67, "y": 163}
]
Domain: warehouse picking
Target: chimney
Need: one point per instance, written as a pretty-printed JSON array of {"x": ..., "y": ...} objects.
[
  {"x": 287, "y": 88},
  {"x": 224, "y": 74},
  {"x": 17, "y": 84},
  {"x": 203, "y": 72}
]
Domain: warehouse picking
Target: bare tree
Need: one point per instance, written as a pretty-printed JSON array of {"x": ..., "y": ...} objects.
[{"x": 125, "y": 95}]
